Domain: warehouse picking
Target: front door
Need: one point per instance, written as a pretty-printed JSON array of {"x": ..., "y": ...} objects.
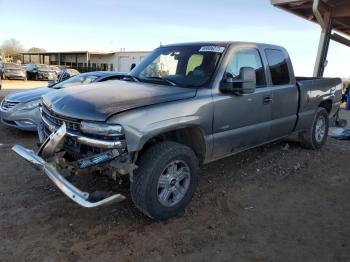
[{"x": 242, "y": 121}]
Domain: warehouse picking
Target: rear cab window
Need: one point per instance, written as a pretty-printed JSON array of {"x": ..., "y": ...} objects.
[{"x": 278, "y": 65}]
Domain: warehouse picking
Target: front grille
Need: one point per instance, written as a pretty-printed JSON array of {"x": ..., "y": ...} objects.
[
  {"x": 8, "y": 105},
  {"x": 71, "y": 145},
  {"x": 57, "y": 121}
]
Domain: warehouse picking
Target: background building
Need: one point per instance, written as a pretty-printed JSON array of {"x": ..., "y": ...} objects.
[{"x": 86, "y": 60}]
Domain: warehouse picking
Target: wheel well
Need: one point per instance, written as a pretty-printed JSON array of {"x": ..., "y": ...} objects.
[
  {"x": 189, "y": 136},
  {"x": 327, "y": 104}
]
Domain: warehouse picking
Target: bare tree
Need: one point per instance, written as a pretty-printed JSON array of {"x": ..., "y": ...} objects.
[
  {"x": 36, "y": 50},
  {"x": 11, "y": 47}
]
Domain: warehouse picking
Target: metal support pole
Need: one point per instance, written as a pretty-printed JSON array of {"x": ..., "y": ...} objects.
[{"x": 323, "y": 46}]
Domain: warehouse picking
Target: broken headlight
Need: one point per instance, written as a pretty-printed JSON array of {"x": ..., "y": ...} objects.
[
  {"x": 28, "y": 105},
  {"x": 101, "y": 129}
]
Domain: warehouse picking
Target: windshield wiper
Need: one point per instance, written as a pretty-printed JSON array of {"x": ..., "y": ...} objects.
[{"x": 162, "y": 79}]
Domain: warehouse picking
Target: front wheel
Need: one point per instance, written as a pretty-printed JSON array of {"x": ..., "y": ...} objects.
[
  {"x": 316, "y": 137},
  {"x": 165, "y": 180}
]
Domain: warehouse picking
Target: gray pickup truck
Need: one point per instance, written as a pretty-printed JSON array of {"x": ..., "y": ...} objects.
[{"x": 185, "y": 105}]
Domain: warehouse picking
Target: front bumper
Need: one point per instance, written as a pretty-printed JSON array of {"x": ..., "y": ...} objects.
[
  {"x": 48, "y": 149},
  {"x": 15, "y": 75},
  {"x": 26, "y": 120}
]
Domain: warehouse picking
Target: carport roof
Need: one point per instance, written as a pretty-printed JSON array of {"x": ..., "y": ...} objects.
[
  {"x": 69, "y": 52},
  {"x": 340, "y": 11}
]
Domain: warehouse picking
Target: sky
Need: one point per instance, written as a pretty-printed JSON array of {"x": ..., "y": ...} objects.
[{"x": 141, "y": 25}]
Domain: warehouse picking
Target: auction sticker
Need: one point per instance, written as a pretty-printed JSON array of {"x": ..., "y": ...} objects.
[{"x": 212, "y": 48}]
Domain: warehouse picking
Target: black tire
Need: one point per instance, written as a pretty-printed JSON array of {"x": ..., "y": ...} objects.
[
  {"x": 144, "y": 188},
  {"x": 342, "y": 123},
  {"x": 308, "y": 138}
]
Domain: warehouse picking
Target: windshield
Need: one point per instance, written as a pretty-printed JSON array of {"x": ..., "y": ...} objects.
[
  {"x": 12, "y": 66},
  {"x": 76, "y": 80},
  {"x": 190, "y": 66}
]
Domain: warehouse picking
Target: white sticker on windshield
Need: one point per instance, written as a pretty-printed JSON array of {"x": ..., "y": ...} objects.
[{"x": 212, "y": 48}]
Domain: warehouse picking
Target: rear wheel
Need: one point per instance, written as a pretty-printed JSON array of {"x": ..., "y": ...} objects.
[
  {"x": 165, "y": 180},
  {"x": 316, "y": 137}
]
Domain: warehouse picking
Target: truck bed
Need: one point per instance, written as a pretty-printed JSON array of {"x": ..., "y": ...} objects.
[{"x": 312, "y": 92}]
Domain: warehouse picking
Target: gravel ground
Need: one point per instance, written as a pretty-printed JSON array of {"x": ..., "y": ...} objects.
[{"x": 272, "y": 203}]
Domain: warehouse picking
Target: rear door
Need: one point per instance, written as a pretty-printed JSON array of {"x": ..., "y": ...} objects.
[
  {"x": 242, "y": 121},
  {"x": 284, "y": 93}
]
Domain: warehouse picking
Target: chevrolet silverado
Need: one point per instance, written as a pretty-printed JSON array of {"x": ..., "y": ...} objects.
[{"x": 183, "y": 106}]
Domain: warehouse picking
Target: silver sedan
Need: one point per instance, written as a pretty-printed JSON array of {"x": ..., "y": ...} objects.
[{"x": 21, "y": 109}]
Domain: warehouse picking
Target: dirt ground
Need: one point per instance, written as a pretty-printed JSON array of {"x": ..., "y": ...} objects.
[
  {"x": 273, "y": 203},
  {"x": 9, "y": 86},
  {"x": 20, "y": 84}
]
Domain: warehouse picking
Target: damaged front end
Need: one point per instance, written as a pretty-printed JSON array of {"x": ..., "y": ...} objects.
[{"x": 57, "y": 147}]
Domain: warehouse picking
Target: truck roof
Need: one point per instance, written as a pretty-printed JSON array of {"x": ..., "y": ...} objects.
[{"x": 225, "y": 43}]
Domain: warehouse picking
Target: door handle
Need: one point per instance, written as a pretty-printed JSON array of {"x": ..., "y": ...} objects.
[{"x": 267, "y": 100}]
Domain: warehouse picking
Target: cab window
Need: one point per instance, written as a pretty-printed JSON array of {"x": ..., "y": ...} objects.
[
  {"x": 247, "y": 58},
  {"x": 278, "y": 66}
]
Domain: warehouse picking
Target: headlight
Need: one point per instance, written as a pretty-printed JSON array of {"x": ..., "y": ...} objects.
[
  {"x": 29, "y": 105},
  {"x": 101, "y": 129}
]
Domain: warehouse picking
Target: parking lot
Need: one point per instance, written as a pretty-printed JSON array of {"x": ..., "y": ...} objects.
[{"x": 273, "y": 203}]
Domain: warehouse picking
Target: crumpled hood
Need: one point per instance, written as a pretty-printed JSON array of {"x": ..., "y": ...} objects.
[
  {"x": 98, "y": 101},
  {"x": 28, "y": 95}
]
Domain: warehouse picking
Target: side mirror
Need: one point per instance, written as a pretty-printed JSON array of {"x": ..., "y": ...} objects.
[
  {"x": 133, "y": 65},
  {"x": 245, "y": 83}
]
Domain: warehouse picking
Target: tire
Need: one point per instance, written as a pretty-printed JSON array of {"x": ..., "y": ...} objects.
[
  {"x": 148, "y": 194},
  {"x": 342, "y": 123},
  {"x": 312, "y": 139}
]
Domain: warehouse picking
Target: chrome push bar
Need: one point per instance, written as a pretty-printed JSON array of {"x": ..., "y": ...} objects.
[{"x": 47, "y": 150}]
